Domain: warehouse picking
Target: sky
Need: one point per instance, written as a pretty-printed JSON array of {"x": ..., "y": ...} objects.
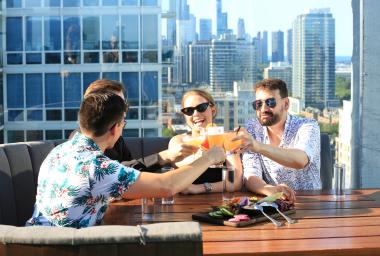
[{"x": 274, "y": 15}]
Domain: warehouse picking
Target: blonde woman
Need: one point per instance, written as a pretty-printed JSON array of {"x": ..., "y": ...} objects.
[{"x": 199, "y": 110}]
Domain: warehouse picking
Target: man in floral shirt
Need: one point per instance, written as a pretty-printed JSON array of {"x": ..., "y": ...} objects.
[
  {"x": 76, "y": 180},
  {"x": 282, "y": 152}
]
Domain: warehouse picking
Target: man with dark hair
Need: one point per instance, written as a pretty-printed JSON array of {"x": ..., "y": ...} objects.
[
  {"x": 282, "y": 151},
  {"x": 76, "y": 180}
]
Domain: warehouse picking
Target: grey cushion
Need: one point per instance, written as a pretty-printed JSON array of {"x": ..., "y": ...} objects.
[
  {"x": 326, "y": 162},
  {"x": 8, "y": 213},
  {"x": 23, "y": 180},
  {"x": 160, "y": 232},
  {"x": 38, "y": 151}
]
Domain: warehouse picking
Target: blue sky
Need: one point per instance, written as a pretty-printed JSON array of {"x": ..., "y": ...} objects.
[{"x": 274, "y": 15}]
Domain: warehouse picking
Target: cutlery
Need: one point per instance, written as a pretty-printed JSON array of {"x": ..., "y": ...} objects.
[{"x": 274, "y": 205}]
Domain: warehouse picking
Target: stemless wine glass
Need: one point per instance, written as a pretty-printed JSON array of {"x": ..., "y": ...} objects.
[{"x": 215, "y": 137}]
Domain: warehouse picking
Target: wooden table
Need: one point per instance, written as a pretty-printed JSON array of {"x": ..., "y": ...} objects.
[{"x": 326, "y": 226}]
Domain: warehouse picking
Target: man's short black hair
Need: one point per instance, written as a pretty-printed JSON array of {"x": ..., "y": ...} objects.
[
  {"x": 101, "y": 110},
  {"x": 273, "y": 84}
]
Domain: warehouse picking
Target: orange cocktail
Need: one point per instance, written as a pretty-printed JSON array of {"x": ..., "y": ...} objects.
[
  {"x": 194, "y": 141},
  {"x": 230, "y": 145},
  {"x": 215, "y": 136}
]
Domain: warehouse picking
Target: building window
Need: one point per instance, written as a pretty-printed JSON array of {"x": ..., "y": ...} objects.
[
  {"x": 71, "y": 114},
  {"x": 131, "y": 83},
  {"x": 13, "y": 3},
  {"x": 33, "y": 40},
  {"x": 53, "y": 3},
  {"x": 91, "y": 33},
  {"x": 72, "y": 90},
  {"x": 34, "y": 115},
  {"x": 33, "y": 58},
  {"x": 54, "y": 115},
  {"x": 149, "y": 89},
  {"x": 15, "y": 91},
  {"x": 15, "y": 136},
  {"x": 14, "y": 34},
  {"x": 131, "y": 133},
  {"x": 52, "y": 33},
  {"x": 110, "y": 38},
  {"x": 53, "y": 90},
  {"x": 33, "y": 90},
  {"x": 14, "y": 58},
  {"x": 88, "y": 78},
  {"x": 90, "y": 2},
  {"x": 34, "y": 135},
  {"x": 71, "y": 38},
  {"x": 53, "y": 134},
  {"x": 111, "y": 76},
  {"x": 71, "y": 3},
  {"x": 109, "y": 2},
  {"x": 15, "y": 115}
]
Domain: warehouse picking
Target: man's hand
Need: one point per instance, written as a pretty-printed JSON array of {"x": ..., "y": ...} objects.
[
  {"x": 288, "y": 193},
  {"x": 177, "y": 153},
  {"x": 247, "y": 142},
  {"x": 215, "y": 154}
]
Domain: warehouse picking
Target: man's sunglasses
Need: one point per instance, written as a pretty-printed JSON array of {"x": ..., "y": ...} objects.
[
  {"x": 189, "y": 111},
  {"x": 257, "y": 104}
]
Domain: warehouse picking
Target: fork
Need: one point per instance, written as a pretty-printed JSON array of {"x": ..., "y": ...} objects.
[
  {"x": 260, "y": 208},
  {"x": 274, "y": 205}
]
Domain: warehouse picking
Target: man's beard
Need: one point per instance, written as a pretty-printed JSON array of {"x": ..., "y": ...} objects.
[{"x": 274, "y": 119}]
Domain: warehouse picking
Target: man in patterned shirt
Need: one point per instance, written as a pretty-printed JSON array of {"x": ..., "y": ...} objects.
[
  {"x": 76, "y": 180},
  {"x": 282, "y": 151}
]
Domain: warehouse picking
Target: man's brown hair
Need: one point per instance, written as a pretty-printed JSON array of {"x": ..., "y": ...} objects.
[
  {"x": 273, "y": 84},
  {"x": 105, "y": 84},
  {"x": 100, "y": 110}
]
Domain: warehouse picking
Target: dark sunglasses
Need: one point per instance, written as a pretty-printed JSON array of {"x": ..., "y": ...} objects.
[
  {"x": 257, "y": 104},
  {"x": 189, "y": 111}
]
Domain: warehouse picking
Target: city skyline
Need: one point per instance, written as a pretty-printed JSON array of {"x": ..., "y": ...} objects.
[{"x": 286, "y": 12}]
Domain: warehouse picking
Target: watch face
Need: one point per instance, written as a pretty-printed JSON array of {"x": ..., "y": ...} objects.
[{"x": 208, "y": 187}]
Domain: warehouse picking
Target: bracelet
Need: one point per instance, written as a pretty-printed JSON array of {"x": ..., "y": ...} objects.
[{"x": 208, "y": 187}]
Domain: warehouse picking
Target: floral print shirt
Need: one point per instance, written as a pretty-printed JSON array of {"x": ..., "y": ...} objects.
[
  {"x": 299, "y": 133},
  {"x": 75, "y": 184}
]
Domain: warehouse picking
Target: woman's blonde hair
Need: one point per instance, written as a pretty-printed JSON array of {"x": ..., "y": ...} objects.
[{"x": 204, "y": 94}]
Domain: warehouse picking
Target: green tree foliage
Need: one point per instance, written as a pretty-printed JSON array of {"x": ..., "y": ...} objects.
[
  {"x": 330, "y": 129},
  {"x": 342, "y": 88},
  {"x": 168, "y": 132}
]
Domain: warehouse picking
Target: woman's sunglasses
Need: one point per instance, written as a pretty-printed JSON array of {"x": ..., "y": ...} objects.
[
  {"x": 189, "y": 111},
  {"x": 257, "y": 104}
]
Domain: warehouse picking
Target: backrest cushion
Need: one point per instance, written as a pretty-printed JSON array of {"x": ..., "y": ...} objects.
[
  {"x": 134, "y": 145},
  {"x": 326, "y": 162},
  {"x": 38, "y": 151},
  {"x": 23, "y": 180},
  {"x": 154, "y": 145},
  {"x": 8, "y": 213}
]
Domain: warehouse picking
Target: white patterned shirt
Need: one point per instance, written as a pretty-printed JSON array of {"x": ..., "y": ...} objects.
[{"x": 299, "y": 133}]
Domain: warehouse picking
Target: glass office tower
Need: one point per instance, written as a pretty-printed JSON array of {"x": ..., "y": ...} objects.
[
  {"x": 55, "y": 48},
  {"x": 314, "y": 58}
]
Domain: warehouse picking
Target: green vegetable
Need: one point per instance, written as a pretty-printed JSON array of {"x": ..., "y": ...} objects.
[
  {"x": 226, "y": 212},
  {"x": 272, "y": 198},
  {"x": 216, "y": 214}
]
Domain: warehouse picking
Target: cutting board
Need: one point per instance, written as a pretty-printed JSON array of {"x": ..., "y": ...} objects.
[{"x": 255, "y": 217}]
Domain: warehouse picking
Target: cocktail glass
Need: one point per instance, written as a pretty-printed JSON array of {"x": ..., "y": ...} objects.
[
  {"x": 229, "y": 144},
  {"x": 215, "y": 137}
]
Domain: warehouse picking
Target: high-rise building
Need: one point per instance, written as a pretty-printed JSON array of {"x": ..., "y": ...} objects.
[
  {"x": 205, "y": 29},
  {"x": 314, "y": 58},
  {"x": 278, "y": 46},
  {"x": 231, "y": 60},
  {"x": 261, "y": 44},
  {"x": 240, "y": 29},
  {"x": 365, "y": 140},
  {"x": 289, "y": 46},
  {"x": 199, "y": 62},
  {"x": 221, "y": 19},
  {"x": 280, "y": 70},
  {"x": 53, "y": 53}
]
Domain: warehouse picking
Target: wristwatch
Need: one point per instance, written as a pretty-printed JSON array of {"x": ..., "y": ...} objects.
[{"x": 208, "y": 187}]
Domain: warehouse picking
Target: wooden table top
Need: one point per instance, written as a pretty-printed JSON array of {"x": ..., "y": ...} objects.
[{"x": 325, "y": 225}]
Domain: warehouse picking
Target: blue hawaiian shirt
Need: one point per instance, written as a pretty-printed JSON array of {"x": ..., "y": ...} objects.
[
  {"x": 299, "y": 133},
  {"x": 75, "y": 184}
]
